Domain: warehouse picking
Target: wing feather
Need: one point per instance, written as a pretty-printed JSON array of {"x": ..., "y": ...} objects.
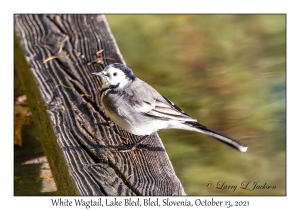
[
  {"x": 169, "y": 111},
  {"x": 150, "y": 102}
]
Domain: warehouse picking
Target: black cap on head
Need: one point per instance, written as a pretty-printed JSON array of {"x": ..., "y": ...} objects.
[{"x": 127, "y": 71}]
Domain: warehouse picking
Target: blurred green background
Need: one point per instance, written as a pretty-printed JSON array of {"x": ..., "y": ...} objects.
[{"x": 227, "y": 71}]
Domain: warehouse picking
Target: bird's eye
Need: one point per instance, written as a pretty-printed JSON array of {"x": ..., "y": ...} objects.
[{"x": 115, "y": 74}]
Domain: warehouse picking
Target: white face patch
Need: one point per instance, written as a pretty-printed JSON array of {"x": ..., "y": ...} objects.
[{"x": 113, "y": 76}]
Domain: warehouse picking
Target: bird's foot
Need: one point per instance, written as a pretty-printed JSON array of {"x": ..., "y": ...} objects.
[{"x": 132, "y": 147}]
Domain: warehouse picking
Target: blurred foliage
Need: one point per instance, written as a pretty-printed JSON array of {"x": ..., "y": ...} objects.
[
  {"x": 28, "y": 177},
  {"x": 227, "y": 71}
]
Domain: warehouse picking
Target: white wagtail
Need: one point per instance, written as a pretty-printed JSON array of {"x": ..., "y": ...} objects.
[{"x": 139, "y": 109}]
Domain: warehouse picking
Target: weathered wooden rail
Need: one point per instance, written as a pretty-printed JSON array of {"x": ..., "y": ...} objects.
[{"x": 52, "y": 53}]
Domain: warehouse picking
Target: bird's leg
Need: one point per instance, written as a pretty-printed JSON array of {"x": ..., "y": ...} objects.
[
  {"x": 134, "y": 146},
  {"x": 112, "y": 125},
  {"x": 109, "y": 124},
  {"x": 140, "y": 141}
]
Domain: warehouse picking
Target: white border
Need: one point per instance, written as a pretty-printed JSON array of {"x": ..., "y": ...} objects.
[{"x": 154, "y": 6}]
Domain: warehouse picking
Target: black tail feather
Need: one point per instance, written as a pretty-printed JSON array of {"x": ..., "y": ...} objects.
[{"x": 216, "y": 135}]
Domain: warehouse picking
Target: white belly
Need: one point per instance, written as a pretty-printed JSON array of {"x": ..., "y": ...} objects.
[{"x": 140, "y": 129}]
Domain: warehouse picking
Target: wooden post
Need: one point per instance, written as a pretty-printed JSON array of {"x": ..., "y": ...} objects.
[{"x": 52, "y": 53}]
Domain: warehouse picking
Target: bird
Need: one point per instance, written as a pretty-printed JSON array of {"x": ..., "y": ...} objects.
[{"x": 139, "y": 109}]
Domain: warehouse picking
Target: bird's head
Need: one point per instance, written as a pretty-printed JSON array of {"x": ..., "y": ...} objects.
[{"x": 116, "y": 74}]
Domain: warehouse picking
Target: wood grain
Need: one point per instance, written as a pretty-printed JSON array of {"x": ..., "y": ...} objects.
[{"x": 64, "y": 98}]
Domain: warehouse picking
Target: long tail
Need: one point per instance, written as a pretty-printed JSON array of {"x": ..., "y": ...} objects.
[{"x": 221, "y": 137}]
